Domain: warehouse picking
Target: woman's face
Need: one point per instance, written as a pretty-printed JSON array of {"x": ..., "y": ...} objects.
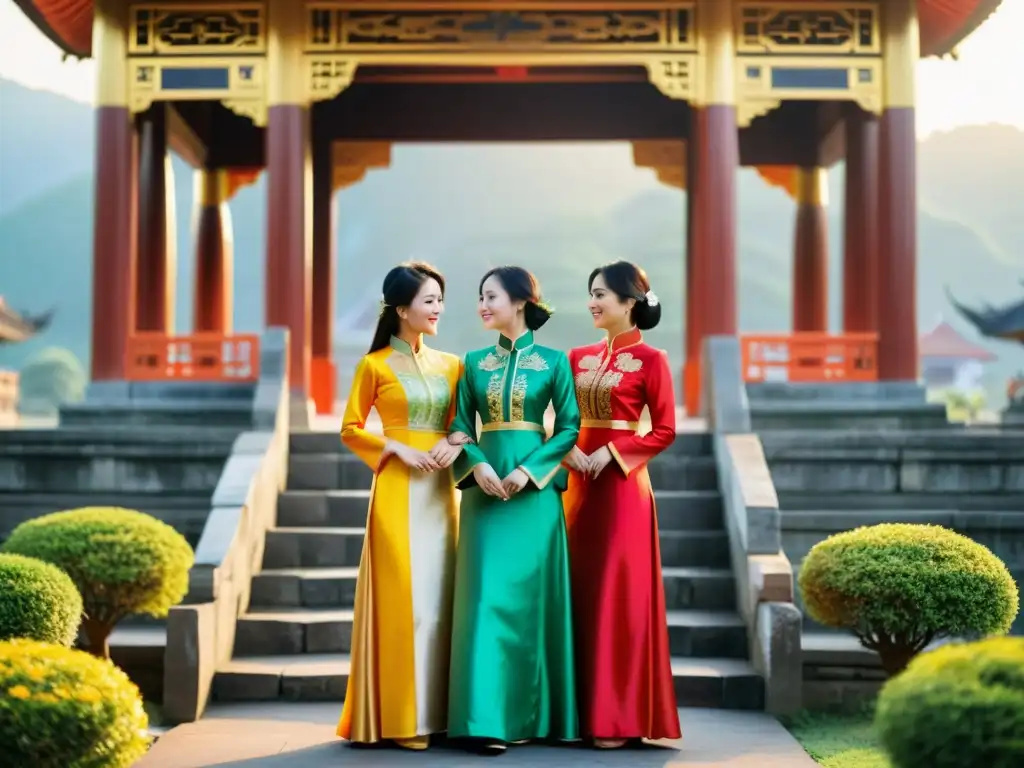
[
  {"x": 496, "y": 307},
  {"x": 607, "y": 309},
  {"x": 422, "y": 315}
]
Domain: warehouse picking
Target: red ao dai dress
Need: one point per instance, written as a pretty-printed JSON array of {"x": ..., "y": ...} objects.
[{"x": 624, "y": 670}]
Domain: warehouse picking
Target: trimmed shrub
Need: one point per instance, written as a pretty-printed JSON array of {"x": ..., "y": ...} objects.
[
  {"x": 61, "y": 708},
  {"x": 122, "y": 561},
  {"x": 959, "y": 706},
  {"x": 898, "y": 587},
  {"x": 37, "y": 601}
]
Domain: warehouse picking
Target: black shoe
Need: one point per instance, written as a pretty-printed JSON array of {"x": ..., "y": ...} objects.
[{"x": 493, "y": 747}]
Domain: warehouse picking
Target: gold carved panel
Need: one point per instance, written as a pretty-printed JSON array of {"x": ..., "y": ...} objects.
[
  {"x": 200, "y": 29},
  {"x": 806, "y": 28},
  {"x": 478, "y": 26}
]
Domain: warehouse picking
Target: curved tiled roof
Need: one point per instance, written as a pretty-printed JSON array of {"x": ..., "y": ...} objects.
[
  {"x": 945, "y": 341},
  {"x": 16, "y": 327},
  {"x": 944, "y": 23}
]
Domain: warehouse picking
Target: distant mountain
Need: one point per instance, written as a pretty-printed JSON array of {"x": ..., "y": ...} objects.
[
  {"x": 557, "y": 209},
  {"x": 46, "y": 140},
  {"x": 975, "y": 175}
]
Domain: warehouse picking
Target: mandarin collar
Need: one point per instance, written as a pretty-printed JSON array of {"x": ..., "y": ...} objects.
[
  {"x": 507, "y": 345},
  {"x": 402, "y": 346},
  {"x": 625, "y": 339}
]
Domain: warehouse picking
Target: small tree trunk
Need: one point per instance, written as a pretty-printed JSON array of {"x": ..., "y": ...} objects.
[
  {"x": 98, "y": 635},
  {"x": 895, "y": 656}
]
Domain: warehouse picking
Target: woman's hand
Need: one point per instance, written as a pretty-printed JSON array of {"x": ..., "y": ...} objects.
[
  {"x": 409, "y": 456},
  {"x": 577, "y": 460},
  {"x": 487, "y": 479},
  {"x": 515, "y": 482},
  {"x": 444, "y": 452},
  {"x": 459, "y": 438},
  {"x": 598, "y": 460}
]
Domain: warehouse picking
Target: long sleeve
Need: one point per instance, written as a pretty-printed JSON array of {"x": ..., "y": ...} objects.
[
  {"x": 542, "y": 465},
  {"x": 454, "y": 402},
  {"x": 465, "y": 422},
  {"x": 631, "y": 451},
  {"x": 366, "y": 445}
]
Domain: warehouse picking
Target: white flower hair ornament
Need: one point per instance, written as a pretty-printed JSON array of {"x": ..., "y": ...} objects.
[{"x": 651, "y": 298}]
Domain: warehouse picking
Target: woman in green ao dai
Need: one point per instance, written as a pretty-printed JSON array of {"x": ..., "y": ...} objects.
[{"x": 512, "y": 669}]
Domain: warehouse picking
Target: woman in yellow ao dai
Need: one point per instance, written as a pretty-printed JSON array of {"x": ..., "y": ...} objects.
[{"x": 401, "y": 640}]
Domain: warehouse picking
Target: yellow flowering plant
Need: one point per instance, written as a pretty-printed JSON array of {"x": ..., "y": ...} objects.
[{"x": 62, "y": 708}]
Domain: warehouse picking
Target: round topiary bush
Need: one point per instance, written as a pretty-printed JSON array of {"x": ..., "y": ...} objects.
[
  {"x": 61, "y": 708},
  {"x": 898, "y": 587},
  {"x": 37, "y": 601},
  {"x": 122, "y": 562},
  {"x": 959, "y": 706}
]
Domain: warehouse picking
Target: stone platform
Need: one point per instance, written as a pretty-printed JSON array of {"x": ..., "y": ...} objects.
[{"x": 274, "y": 735}]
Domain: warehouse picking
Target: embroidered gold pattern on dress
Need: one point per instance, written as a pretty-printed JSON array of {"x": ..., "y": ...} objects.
[
  {"x": 492, "y": 362},
  {"x": 603, "y": 393},
  {"x": 494, "y": 385},
  {"x": 533, "y": 362},
  {"x": 625, "y": 361},
  {"x": 594, "y": 383},
  {"x": 517, "y": 408}
]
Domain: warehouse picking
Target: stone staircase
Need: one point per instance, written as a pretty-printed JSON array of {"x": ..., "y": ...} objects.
[{"x": 293, "y": 642}]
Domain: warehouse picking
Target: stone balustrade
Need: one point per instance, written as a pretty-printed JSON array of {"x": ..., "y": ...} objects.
[
  {"x": 201, "y": 631},
  {"x": 764, "y": 576}
]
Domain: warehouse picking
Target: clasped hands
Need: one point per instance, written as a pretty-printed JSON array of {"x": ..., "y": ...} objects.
[
  {"x": 589, "y": 466},
  {"x": 488, "y": 482},
  {"x": 441, "y": 456}
]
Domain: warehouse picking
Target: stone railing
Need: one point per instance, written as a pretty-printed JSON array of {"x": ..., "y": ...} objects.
[
  {"x": 764, "y": 576},
  {"x": 201, "y": 631}
]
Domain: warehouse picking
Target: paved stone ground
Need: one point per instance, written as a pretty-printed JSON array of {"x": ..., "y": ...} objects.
[{"x": 276, "y": 735}]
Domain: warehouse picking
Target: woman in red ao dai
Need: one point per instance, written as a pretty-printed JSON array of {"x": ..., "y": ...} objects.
[{"x": 624, "y": 671}]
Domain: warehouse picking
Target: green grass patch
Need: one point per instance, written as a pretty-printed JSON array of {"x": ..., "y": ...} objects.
[{"x": 839, "y": 740}]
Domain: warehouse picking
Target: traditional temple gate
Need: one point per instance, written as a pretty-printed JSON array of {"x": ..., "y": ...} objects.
[{"x": 790, "y": 87}]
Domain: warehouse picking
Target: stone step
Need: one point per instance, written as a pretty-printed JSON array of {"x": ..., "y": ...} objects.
[
  {"x": 694, "y": 549},
  {"x": 895, "y": 502},
  {"x": 879, "y": 415},
  {"x": 710, "y": 589},
  {"x": 293, "y": 631},
  {"x": 831, "y": 392},
  {"x": 341, "y": 547},
  {"x": 341, "y": 471},
  {"x": 686, "y": 443},
  {"x": 328, "y": 472},
  {"x": 699, "y": 682},
  {"x": 304, "y": 631},
  {"x": 159, "y": 413},
  {"x": 677, "y": 510}
]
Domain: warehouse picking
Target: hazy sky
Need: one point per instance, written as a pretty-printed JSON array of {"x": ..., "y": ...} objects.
[{"x": 983, "y": 87}]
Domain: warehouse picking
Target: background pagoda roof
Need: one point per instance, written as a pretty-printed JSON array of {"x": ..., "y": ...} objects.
[
  {"x": 16, "y": 327},
  {"x": 1005, "y": 322},
  {"x": 946, "y": 341},
  {"x": 944, "y": 23}
]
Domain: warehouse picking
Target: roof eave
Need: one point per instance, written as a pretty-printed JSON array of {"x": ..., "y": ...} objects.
[
  {"x": 982, "y": 13},
  {"x": 28, "y": 7}
]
